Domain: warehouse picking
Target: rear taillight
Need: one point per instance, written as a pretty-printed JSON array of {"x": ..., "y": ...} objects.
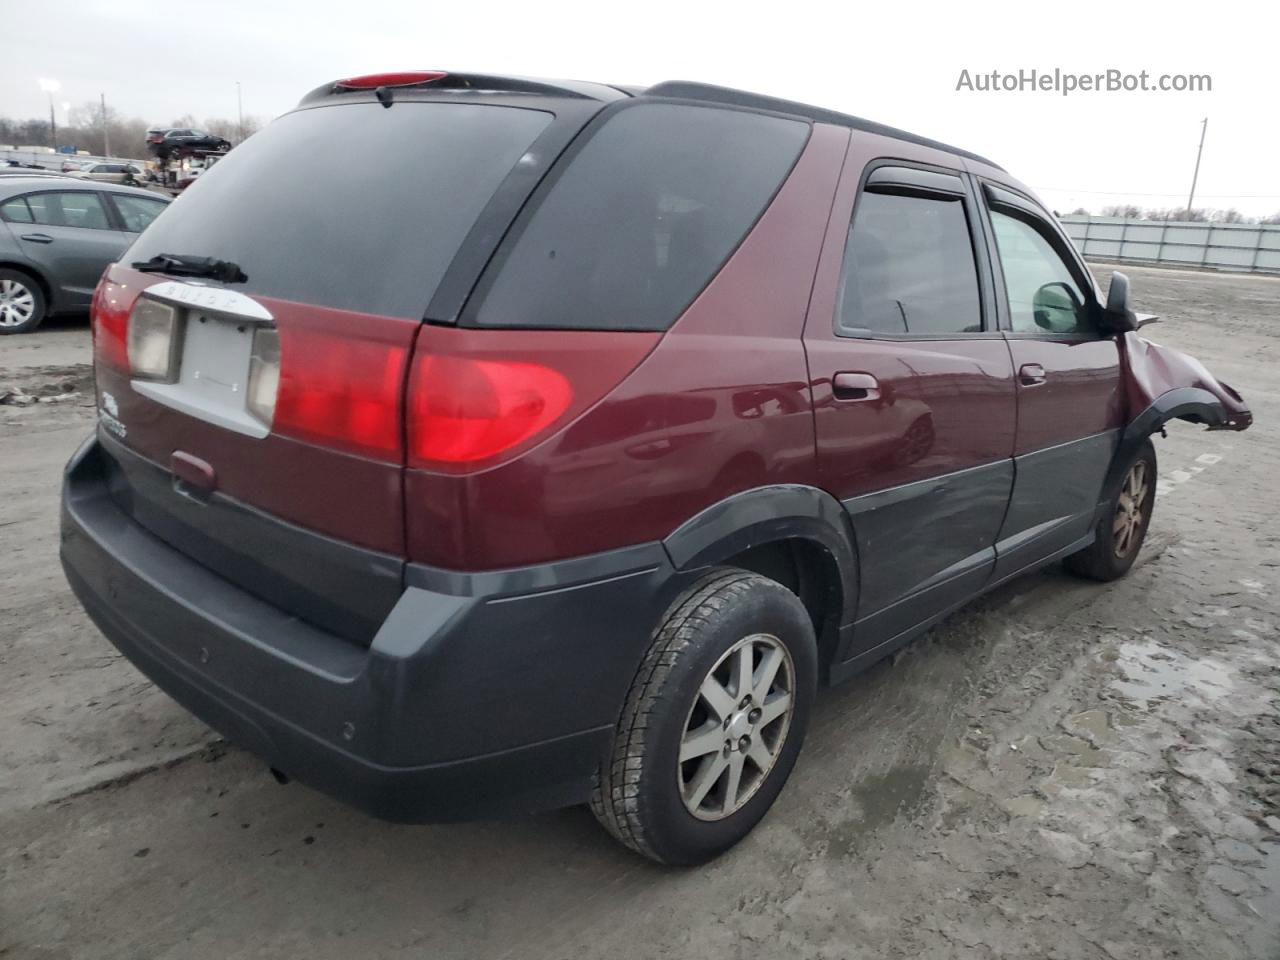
[
  {"x": 333, "y": 390},
  {"x": 109, "y": 322},
  {"x": 462, "y": 410}
]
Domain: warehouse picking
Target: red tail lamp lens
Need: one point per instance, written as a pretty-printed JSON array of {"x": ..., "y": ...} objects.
[
  {"x": 462, "y": 410},
  {"x": 339, "y": 392},
  {"x": 109, "y": 322},
  {"x": 403, "y": 78}
]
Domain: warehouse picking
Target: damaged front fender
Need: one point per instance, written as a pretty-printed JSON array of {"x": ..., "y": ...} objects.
[{"x": 1164, "y": 384}]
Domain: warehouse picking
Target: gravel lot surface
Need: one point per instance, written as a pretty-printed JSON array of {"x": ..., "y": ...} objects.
[{"x": 1062, "y": 770}]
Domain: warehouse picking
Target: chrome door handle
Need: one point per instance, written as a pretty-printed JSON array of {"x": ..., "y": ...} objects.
[
  {"x": 38, "y": 237},
  {"x": 1030, "y": 374},
  {"x": 855, "y": 386}
]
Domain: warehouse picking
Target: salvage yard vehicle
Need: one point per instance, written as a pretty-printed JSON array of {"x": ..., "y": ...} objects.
[
  {"x": 113, "y": 171},
  {"x": 164, "y": 142},
  {"x": 632, "y": 417},
  {"x": 57, "y": 235}
]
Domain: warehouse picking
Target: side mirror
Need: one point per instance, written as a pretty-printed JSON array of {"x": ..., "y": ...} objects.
[
  {"x": 1056, "y": 308},
  {"x": 1118, "y": 316}
]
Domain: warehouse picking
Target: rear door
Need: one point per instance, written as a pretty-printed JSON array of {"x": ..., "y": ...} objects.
[
  {"x": 913, "y": 397},
  {"x": 1070, "y": 404},
  {"x": 70, "y": 236}
]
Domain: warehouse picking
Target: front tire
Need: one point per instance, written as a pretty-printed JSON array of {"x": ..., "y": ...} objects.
[
  {"x": 1123, "y": 525},
  {"x": 714, "y": 720}
]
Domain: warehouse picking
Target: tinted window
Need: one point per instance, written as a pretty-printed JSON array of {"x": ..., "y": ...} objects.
[
  {"x": 373, "y": 217},
  {"x": 69, "y": 210},
  {"x": 1044, "y": 297},
  {"x": 640, "y": 219},
  {"x": 16, "y": 210},
  {"x": 137, "y": 212},
  {"x": 909, "y": 267}
]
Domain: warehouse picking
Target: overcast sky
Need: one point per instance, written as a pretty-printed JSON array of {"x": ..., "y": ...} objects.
[{"x": 896, "y": 62}]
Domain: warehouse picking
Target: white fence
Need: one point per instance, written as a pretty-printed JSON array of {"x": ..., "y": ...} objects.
[{"x": 1241, "y": 247}]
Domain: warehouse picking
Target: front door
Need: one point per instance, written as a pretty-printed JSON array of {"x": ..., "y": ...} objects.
[
  {"x": 1070, "y": 404},
  {"x": 913, "y": 398}
]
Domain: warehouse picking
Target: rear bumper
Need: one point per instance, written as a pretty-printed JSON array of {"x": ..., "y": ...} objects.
[{"x": 481, "y": 694}]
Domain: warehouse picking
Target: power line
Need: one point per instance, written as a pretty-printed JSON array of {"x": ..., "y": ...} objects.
[{"x": 1137, "y": 193}]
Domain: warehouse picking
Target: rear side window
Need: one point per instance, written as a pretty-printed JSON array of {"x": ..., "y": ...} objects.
[
  {"x": 909, "y": 267},
  {"x": 353, "y": 206},
  {"x": 640, "y": 219},
  {"x": 137, "y": 212}
]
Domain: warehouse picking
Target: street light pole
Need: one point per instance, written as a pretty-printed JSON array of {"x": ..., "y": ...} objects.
[
  {"x": 51, "y": 87},
  {"x": 1204, "y": 125},
  {"x": 239, "y": 114},
  {"x": 106, "y": 133}
]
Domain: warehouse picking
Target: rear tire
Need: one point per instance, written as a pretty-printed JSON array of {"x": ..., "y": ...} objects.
[
  {"x": 1123, "y": 525},
  {"x": 714, "y": 720},
  {"x": 22, "y": 302}
]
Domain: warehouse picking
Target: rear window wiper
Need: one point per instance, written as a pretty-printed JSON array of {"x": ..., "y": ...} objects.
[{"x": 178, "y": 265}]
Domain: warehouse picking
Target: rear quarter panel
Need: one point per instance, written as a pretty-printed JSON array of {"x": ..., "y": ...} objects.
[{"x": 720, "y": 405}]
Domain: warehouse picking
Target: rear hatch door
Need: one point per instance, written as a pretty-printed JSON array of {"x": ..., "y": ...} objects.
[{"x": 252, "y": 347}]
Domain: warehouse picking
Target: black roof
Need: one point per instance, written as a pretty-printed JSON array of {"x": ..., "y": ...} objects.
[
  {"x": 687, "y": 90},
  {"x": 676, "y": 89}
]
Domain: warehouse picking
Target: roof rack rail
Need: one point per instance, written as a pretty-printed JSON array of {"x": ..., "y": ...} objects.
[{"x": 688, "y": 90}]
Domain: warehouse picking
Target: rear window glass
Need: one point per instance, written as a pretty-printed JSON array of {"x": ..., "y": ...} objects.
[
  {"x": 640, "y": 219},
  {"x": 355, "y": 206}
]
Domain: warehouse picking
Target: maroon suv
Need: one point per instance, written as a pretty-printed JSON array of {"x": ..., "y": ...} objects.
[{"x": 562, "y": 452}]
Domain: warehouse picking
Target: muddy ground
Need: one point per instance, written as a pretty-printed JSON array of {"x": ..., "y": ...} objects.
[{"x": 1063, "y": 770}]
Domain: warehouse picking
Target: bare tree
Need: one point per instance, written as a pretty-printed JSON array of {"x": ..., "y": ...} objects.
[
  {"x": 1197, "y": 215},
  {"x": 1122, "y": 210},
  {"x": 83, "y": 131},
  {"x": 1079, "y": 212}
]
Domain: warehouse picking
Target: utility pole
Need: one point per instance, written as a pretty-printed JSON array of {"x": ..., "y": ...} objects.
[
  {"x": 1204, "y": 125},
  {"x": 239, "y": 114},
  {"x": 51, "y": 87},
  {"x": 106, "y": 133}
]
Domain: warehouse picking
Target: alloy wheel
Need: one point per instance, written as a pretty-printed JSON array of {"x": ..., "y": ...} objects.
[
  {"x": 17, "y": 303},
  {"x": 736, "y": 727},
  {"x": 1127, "y": 524}
]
